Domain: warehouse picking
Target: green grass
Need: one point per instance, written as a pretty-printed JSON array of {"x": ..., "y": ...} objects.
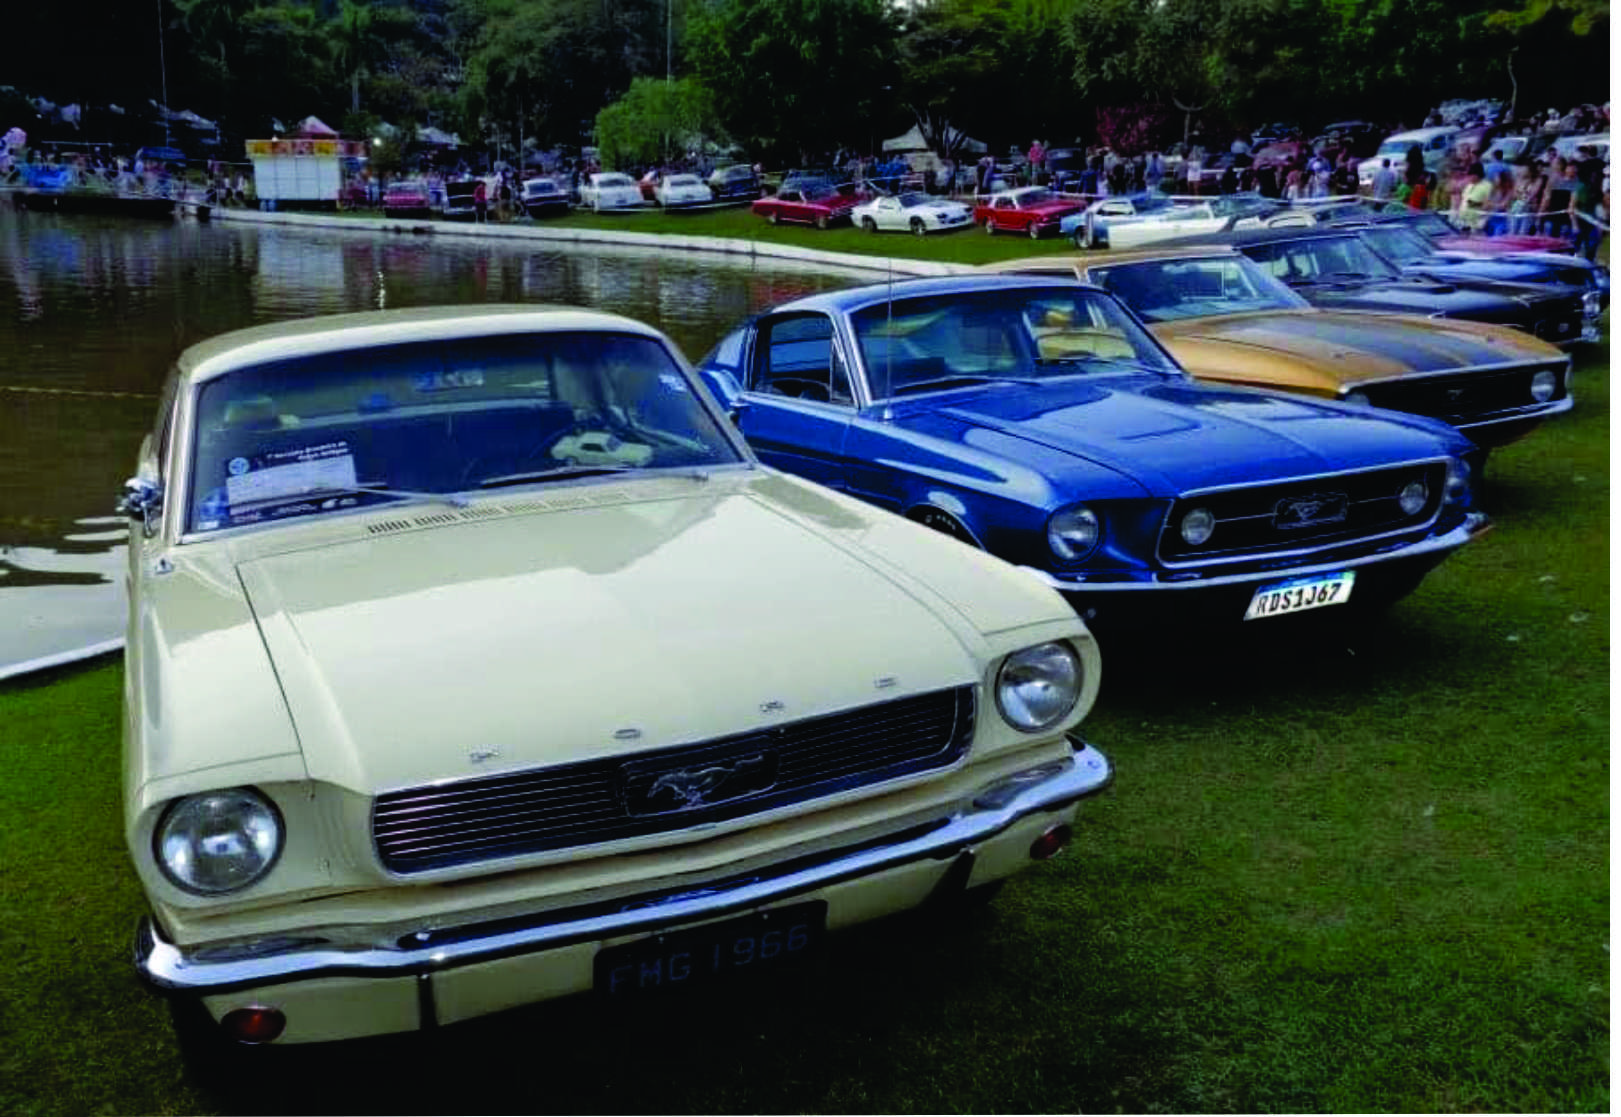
[
  {"x": 1343, "y": 870},
  {"x": 960, "y": 246}
]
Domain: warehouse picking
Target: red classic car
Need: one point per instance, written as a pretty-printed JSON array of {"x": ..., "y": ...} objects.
[
  {"x": 812, "y": 205},
  {"x": 1033, "y": 210}
]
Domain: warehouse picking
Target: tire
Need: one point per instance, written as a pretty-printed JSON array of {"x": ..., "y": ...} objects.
[
  {"x": 918, "y": 227},
  {"x": 990, "y": 229},
  {"x": 773, "y": 218},
  {"x": 1078, "y": 237},
  {"x": 1034, "y": 231},
  {"x": 822, "y": 221},
  {"x": 869, "y": 225}
]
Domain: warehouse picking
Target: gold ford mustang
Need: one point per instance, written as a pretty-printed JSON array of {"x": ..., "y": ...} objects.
[
  {"x": 1225, "y": 320},
  {"x": 474, "y": 660}
]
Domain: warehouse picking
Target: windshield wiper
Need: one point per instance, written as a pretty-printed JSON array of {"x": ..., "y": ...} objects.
[
  {"x": 455, "y": 500},
  {"x": 1093, "y": 358},
  {"x": 940, "y": 383},
  {"x": 556, "y": 473}
]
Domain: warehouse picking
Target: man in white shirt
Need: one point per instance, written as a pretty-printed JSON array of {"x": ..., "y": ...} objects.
[{"x": 1384, "y": 181}]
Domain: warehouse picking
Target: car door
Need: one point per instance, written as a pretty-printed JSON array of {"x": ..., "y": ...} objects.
[
  {"x": 890, "y": 214},
  {"x": 798, "y": 402}
]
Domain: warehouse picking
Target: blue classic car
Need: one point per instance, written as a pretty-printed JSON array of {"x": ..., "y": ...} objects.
[{"x": 1038, "y": 419}]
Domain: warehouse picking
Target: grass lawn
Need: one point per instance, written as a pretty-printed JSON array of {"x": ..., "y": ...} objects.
[{"x": 1353, "y": 870}]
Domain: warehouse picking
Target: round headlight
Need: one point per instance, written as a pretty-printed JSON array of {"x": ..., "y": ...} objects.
[
  {"x": 1592, "y": 304},
  {"x": 1358, "y": 398},
  {"x": 219, "y": 842},
  {"x": 1412, "y": 497},
  {"x": 1074, "y": 533},
  {"x": 1543, "y": 385},
  {"x": 1457, "y": 480},
  {"x": 1038, "y": 687},
  {"x": 1198, "y": 526}
]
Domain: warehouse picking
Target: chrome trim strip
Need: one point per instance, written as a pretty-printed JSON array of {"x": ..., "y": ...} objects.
[
  {"x": 1476, "y": 523},
  {"x": 1537, "y": 411},
  {"x": 1190, "y": 494},
  {"x": 174, "y": 969},
  {"x": 1501, "y": 366}
]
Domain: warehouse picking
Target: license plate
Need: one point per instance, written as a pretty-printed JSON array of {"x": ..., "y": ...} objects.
[
  {"x": 1300, "y": 594},
  {"x": 761, "y": 942}
]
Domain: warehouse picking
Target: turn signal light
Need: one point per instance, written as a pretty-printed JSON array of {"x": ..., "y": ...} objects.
[
  {"x": 1051, "y": 843},
  {"x": 254, "y": 1025}
]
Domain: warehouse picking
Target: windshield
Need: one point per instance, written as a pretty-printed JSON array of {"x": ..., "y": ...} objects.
[
  {"x": 614, "y": 180},
  {"x": 1396, "y": 147},
  {"x": 913, "y": 198},
  {"x": 1032, "y": 197},
  {"x": 1020, "y": 333},
  {"x": 1398, "y": 243},
  {"x": 327, "y": 432},
  {"x": 1320, "y": 260},
  {"x": 1165, "y": 290}
]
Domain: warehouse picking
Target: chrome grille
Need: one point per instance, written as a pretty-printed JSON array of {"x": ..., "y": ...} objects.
[
  {"x": 1261, "y": 520},
  {"x": 1467, "y": 397},
  {"x": 608, "y": 799}
]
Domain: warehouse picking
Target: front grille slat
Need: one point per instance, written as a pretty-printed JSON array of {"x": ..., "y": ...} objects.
[
  {"x": 418, "y": 829},
  {"x": 1248, "y": 523}
]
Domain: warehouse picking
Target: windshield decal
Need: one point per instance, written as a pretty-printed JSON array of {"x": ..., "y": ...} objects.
[{"x": 284, "y": 473}]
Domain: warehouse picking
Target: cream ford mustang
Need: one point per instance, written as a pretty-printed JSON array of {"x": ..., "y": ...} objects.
[{"x": 473, "y": 660}]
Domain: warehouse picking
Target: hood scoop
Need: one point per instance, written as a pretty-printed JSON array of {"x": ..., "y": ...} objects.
[{"x": 559, "y": 503}]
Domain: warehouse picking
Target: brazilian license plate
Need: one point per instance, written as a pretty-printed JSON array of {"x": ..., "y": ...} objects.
[
  {"x": 760, "y": 942},
  {"x": 1300, "y": 594}
]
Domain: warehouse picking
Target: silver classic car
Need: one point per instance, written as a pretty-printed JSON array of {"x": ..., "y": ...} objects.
[{"x": 474, "y": 660}]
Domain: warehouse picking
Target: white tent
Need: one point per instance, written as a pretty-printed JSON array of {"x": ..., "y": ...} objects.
[
  {"x": 438, "y": 137},
  {"x": 316, "y": 128},
  {"x": 912, "y": 140}
]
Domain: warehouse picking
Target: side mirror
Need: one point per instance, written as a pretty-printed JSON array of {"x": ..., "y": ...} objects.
[
  {"x": 735, "y": 410},
  {"x": 142, "y": 501}
]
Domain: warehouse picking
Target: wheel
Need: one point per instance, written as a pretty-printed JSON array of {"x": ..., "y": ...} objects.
[
  {"x": 773, "y": 218},
  {"x": 1078, "y": 237},
  {"x": 869, "y": 224},
  {"x": 1034, "y": 230},
  {"x": 918, "y": 227},
  {"x": 821, "y": 221},
  {"x": 990, "y": 229}
]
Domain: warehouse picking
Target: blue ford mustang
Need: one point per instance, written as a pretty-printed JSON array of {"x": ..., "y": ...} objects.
[{"x": 1038, "y": 419}]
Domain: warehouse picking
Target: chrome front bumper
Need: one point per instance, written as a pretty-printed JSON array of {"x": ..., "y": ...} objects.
[
  {"x": 1435, "y": 547},
  {"x": 312, "y": 954}
]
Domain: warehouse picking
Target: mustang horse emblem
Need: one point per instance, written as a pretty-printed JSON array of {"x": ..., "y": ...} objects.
[
  {"x": 711, "y": 783},
  {"x": 1306, "y": 511}
]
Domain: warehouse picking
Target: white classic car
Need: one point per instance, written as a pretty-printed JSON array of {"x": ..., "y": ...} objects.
[
  {"x": 674, "y": 191},
  {"x": 913, "y": 212},
  {"x": 474, "y": 660},
  {"x": 610, "y": 190},
  {"x": 1134, "y": 222}
]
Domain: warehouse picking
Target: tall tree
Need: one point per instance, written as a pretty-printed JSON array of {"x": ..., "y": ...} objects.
[
  {"x": 652, "y": 119},
  {"x": 795, "y": 79}
]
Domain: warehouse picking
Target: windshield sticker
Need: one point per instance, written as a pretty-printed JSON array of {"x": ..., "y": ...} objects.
[
  {"x": 447, "y": 380},
  {"x": 283, "y": 473},
  {"x": 673, "y": 382}
]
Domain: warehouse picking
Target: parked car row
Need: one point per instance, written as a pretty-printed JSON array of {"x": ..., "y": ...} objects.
[{"x": 799, "y": 638}]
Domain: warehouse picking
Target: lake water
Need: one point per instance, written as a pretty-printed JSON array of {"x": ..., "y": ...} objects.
[{"x": 96, "y": 309}]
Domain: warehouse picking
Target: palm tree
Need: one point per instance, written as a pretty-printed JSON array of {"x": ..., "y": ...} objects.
[{"x": 354, "y": 44}]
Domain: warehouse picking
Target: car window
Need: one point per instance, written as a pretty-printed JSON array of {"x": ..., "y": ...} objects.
[
  {"x": 938, "y": 342},
  {"x": 1165, "y": 290},
  {"x": 1309, "y": 261},
  {"x": 798, "y": 357},
  {"x": 307, "y": 435}
]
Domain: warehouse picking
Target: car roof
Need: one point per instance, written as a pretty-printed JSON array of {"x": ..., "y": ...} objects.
[
  {"x": 1162, "y": 251},
  {"x": 1243, "y": 238},
  {"x": 851, "y": 299},
  {"x": 366, "y": 329}
]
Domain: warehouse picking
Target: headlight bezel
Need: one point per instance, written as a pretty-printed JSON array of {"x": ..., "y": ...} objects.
[
  {"x": 1057, "y": 543},
  {"x": 1423, "y": 497},
  {"x": 1019, "y": 710},
  {"x": 1456, "y": 489},
  {"x": 1548, "y": 379},
  {"x": 249, "y": 797}
]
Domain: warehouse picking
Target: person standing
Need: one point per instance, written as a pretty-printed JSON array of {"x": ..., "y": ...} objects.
[
  {"x": 1584, "y": 203},
  {"x": 1470, "y": 202},
  {"x": 1384, "y": 182}
]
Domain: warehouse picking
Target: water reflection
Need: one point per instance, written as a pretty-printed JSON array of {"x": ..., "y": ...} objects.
[{"x": 94, "y": 310}]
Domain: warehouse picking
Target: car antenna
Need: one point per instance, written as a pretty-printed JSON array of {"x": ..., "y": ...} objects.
[{"x": 889, "y": 327}]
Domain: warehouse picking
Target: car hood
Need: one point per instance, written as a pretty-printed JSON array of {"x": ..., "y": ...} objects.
[
  {"x": 1343, "y": 348},
  {"x": 550, "y": 636},
  {"x": 1415, "y": 297},
  {"x": 1172, "y": 435}
]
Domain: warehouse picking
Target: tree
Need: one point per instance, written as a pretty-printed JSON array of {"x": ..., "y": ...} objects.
[
  {"x": 653, "y": 118},
  {"x": 795, "y": 79}
]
